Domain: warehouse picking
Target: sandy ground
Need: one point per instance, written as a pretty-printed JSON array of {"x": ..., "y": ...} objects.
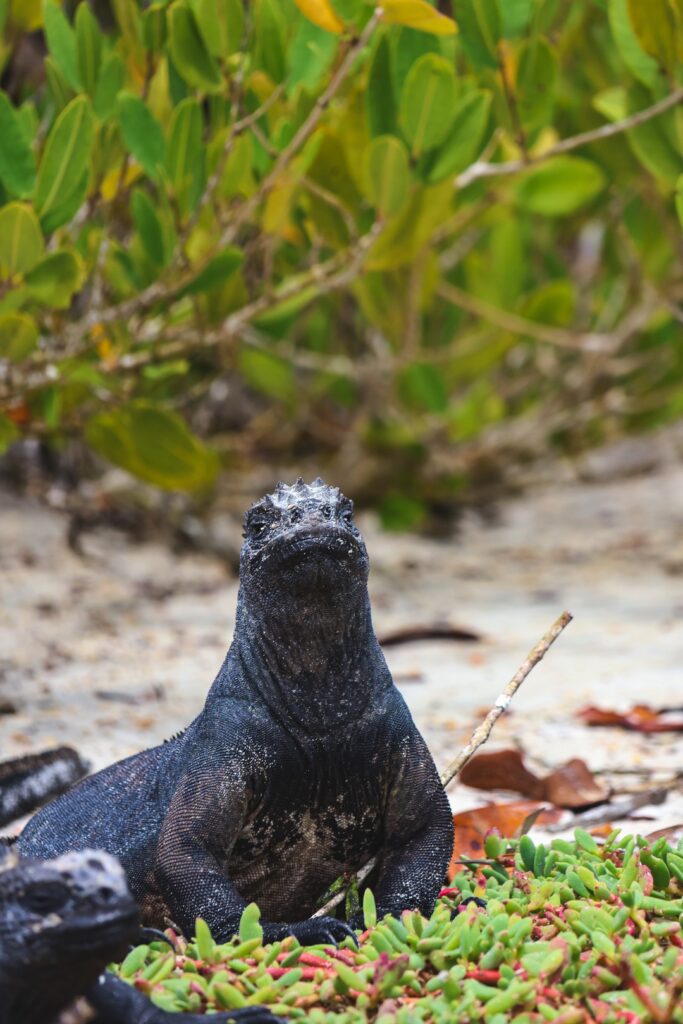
[{"x": 114, "y": 651}]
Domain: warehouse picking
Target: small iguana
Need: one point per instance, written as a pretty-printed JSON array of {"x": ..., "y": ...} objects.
[
  {"x": 61, "y": 923},
  {"x": 303, "y": 764}
]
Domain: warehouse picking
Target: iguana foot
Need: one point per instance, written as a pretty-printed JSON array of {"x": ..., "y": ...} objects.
[
  {"x": 312, "y": 932},
  {"x": 468, "y": 899},
  {"x": 116, "y": 1002}
]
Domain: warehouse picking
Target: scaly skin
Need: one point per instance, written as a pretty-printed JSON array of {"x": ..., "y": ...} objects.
[
  {"x": 303, "y": 764},
  {"x": 61, "y": 923}
]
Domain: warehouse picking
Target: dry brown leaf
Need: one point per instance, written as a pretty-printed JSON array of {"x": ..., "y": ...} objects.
[
  {"x": 572, "y": 785},
  {"x": 502, "y": 769},
  {"x": 640, "y": 718}
]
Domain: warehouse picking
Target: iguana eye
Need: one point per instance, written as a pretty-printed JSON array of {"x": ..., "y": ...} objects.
[
  {"x": 46, "y": 897},
  {"x": 258, "y": 529},
  {"x": 347, "y": 516}
]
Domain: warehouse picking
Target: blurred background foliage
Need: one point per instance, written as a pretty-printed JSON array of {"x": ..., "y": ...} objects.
[{"x": 409, "y": 246}]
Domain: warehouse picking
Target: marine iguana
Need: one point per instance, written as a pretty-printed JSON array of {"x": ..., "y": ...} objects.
[
  {"x": 61, "y": 923},
  {"x": 303, "y": 764}
]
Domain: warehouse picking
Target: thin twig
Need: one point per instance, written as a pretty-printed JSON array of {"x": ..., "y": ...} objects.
[
  {"x": 482, "y": 733},
  {"x": 576, "y": 341},
  {"x": 482, "y": 169},
  {"x": 479, "y": 736}
]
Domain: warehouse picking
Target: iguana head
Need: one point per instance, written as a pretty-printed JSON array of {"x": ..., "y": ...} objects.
[
  {"x": 301, "y": 539},
  {"x": 61, "y": 922}
]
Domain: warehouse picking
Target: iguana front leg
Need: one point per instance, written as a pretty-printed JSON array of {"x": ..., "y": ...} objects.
[
  {"x": 198, "y": 834},
  {"x": 418, "y": 837},
  {"x": 116, "y": 1002}
]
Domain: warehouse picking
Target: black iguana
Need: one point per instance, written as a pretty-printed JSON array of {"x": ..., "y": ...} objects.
[
  {"x": 303, "y": 764},
  {"x": 61, "y": 923}
]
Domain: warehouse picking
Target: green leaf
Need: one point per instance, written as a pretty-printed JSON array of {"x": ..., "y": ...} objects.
[
  {"x": 515, "y": 16},
  {"x": 221, "y": 23},
  {"x": 427, "y": 101},
  {"x": 215, "y": 273},
  {"x": 8, "y": 433},
  {"x": 267, "y": 373},
  {"x": 155, "y": 28},
  {"x": 109, "y": 85},
  {"x": 249, "y": 927},
  {"x": 18, "y": 336},
  {"x": 536, "y": 76},
  {"x": 465, "y": 138},
  {"x": 148, "y": 226},
  {"x": 387, "y": 173},
  {"x": 60, "y": 90},
  {"x": 411, "y": 228},
  {"x": 53, "y": 281},
  {"x": 66, "y": 156},
  {"x": 559, "y": 187},
  {"x": 401, "y": 512},
  {"x": 369, "y": 909},
  {"x": 679, "y": 198},
  {"x": 417, "y": 14},
  {"x": 17, "y": 164},
  {"x": 309, "y": 55},
  {"x": 154, "y": 445},
  {"x": 190, "y": 55},
  {"x": 88, "y": 47},
  {"x": 480, "y": 29},
  {"x": 66, "y": 208},
  {"x": 640, "y": 64},
  {"x": 421, "y": 386},
  {"x": 380, "y": 100},
  {"x": 184, "y": 148},
  {"x": 142, "y": 133},
  {"x": 21, "y": 240},
  {"x": 61, "y": 42}
]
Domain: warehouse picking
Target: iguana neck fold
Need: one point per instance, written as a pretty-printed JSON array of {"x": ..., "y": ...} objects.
[{"x": 297, "y": 657}]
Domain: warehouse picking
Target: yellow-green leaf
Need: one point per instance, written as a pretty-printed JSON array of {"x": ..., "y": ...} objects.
[
  {"x": 387, "y": 173},
  {"x": 638, "y": 62},
  {"x": 184, "y": 149},
  {"x": 658, "y": 26},
  {"x": 561, "y": 186},
  {"x": 154, "y": 445},
  {"x": 322, "y": 14},
  {"x": 53, "y": 281},
  {"x": 417, "y": 14},
  {"x": 216, "y": 272},
  {"x": 88, "y": 47},
  {"x": 66, "y": 155},
  {"x": 18, "y": 336},
  {"x": 427, "y": 102},
  {"x": 221, "y": 23},
  {"x": 17, "y": 164},
  {"x": 679, "y": 199},
  {"x": 21, "y": 240},
  {"x": 190, "y": 54},
  {"x": 465, "y": 137}
]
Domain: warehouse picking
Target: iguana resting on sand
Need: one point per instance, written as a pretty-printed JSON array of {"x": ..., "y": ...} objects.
[
  {"x": 61, "y": 923},
  {"x": 303, "y": 764}
]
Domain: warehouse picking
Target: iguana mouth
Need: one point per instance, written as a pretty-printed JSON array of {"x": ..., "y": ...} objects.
[
  {"x": 100, "y": 929},
  {"x": 324, "y": 539}
]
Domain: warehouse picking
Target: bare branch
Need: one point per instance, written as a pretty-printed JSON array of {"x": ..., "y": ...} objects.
[
  {"x": 592, "y": 342},
  {"x": 482, "y": 169},
  {"x": 502, "y": 703}
]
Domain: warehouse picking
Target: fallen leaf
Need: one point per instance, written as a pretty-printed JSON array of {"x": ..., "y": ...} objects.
[
  {"x": 673, "y": 834},
  {"x": 573, "y": 786},
  {"x": 640, "y": 718},
  {"x": 472, "y": 827},
  {"x": 502, "y": 769}
]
